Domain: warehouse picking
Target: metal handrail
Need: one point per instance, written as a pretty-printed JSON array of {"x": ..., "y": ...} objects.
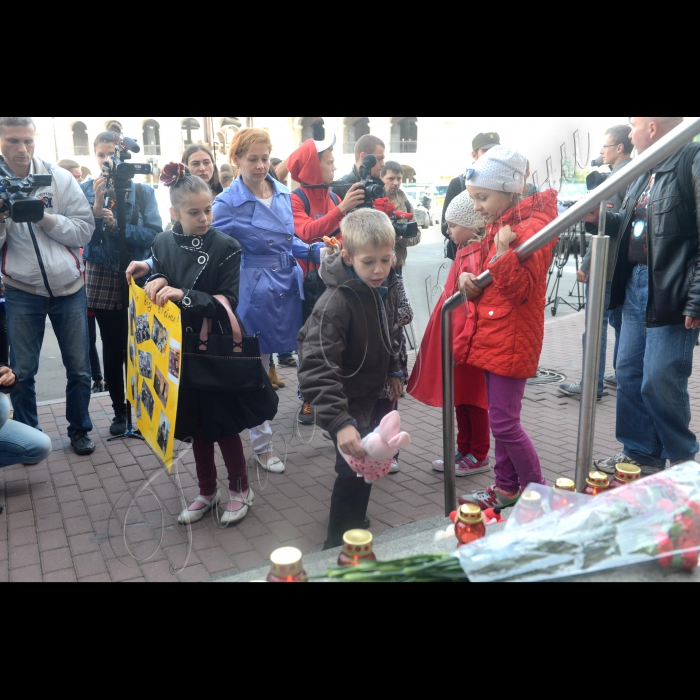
[{"x": 658, "y": 153}]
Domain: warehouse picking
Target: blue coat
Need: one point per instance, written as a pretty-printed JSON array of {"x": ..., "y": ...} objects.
[
  {"x": 271, "y": 279},
  {"x": 103, "y": 249}
]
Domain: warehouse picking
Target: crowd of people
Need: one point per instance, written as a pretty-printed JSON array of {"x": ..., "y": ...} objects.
[{"x": 237, "y": 257}]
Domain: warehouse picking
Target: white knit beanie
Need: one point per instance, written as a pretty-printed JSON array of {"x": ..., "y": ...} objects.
[
  {"x": 461, "y": 212},
  {"x": 501, "y": 169}
]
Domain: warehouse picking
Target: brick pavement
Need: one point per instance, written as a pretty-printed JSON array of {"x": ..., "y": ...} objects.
[{"x": 63, "y": 517}]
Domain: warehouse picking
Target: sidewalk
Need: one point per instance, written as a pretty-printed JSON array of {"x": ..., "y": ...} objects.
[{"x": 62, "y": 517}]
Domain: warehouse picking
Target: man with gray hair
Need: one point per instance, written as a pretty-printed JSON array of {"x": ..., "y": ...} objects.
[
  {"x": 657, "y": 284},
  {"x": 43, "y": 272}
]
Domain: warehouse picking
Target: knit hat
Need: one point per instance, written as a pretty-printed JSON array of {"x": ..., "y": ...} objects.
[
  {"x": 461, "y": 212},
  {"x": 501, "y": 169}
]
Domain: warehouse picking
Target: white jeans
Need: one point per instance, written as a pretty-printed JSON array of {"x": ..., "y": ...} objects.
[{"x": 261, "y": 437}]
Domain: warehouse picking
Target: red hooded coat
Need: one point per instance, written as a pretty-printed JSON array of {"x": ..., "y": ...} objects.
[
  {"x": 325, "y": 216},
  {"x": 510, "y": 313},
  {"x": 426, "y": 377}
]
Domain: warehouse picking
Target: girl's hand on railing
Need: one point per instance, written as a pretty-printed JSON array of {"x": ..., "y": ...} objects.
[{"x": 468, "y": 286}]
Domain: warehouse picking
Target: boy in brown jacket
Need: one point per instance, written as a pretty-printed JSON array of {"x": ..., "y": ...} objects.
[{"x": 347, "y": 350}]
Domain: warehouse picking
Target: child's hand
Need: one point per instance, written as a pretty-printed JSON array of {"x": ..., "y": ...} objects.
[
  {"x": 350, "y": 442},
  {"x": 137, "y": 270},
  {"x": 505, "y": 237},
  {"x": 468, "y": 287},
  {"x": 152, "y": 288},
  {"x": 395, "y": 389}
]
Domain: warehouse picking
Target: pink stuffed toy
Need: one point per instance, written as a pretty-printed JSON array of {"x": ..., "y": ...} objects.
[{"x": 380, "y": 446}]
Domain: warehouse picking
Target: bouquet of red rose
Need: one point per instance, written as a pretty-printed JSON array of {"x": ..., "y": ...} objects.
[{"x": 655, "y": 519}]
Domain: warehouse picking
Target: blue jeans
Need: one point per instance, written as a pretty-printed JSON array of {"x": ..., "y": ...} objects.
[
  {"x": 653, "y": 368},
  {"x": 26, "y": 323},
  {"x": 616, "y": 323},
  {"x": 604, "y": 344},
  {"x": 20, "y": 444}
]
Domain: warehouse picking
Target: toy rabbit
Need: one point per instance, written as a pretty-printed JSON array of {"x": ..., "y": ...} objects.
[{"x": 380, "y": 446}]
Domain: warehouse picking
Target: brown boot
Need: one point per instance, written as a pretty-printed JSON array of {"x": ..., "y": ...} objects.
[{"x": 276, "y": 381}]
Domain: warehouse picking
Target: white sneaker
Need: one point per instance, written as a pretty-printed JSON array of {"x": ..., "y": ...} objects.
[
  {"x": 395, "y": 467},
  {"x": 231, "y": 518},
  {"x": 190, "y": 517},
  {"x": 274, "y": 466}
]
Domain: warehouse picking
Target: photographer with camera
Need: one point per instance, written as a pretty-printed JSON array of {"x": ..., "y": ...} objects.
[
  {"x": 104, "y": 290},
  {"x": 367, "y": 146},
  {"x": 392, "y": 177},
  {"x": 617, "y": 154},
  {"x": 44, "y": 221}
]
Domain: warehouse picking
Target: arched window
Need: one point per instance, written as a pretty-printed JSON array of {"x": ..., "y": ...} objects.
[
  {"x": 151, "y": 138},
  {"x": 190, "y": 131},
  {"x": 355, "y": 129},
  {"x": 404, "y": 134},
  {"x": 111, "y": 122},
  {"x": 231, "y": 121},
  {"x": 81, "y": 142},
  {"x": 313, "y": 128}
]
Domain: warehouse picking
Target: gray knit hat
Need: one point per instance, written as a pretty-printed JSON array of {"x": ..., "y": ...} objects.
[
  {"x": 461, "y": 212},
  {"x": 501, "y": 169}
]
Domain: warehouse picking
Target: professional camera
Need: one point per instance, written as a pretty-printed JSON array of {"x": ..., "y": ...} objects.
[
  {"x": 372, "y": 189},
  {"x": 16, "y": 194},
  {"x": 115, "y": 167}
]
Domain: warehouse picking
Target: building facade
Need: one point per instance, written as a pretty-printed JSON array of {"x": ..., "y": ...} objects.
[{"x": 431, "y": 149}]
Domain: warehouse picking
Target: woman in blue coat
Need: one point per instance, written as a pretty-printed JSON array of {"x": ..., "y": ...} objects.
[{"x": 257, "y": 211}]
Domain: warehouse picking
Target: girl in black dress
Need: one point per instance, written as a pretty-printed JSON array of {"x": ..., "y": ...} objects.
[{"x": 193, "y": 263}]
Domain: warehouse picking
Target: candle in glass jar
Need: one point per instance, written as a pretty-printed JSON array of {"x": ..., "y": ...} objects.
[
  {"x": 597, "y": 483},
  {"x": 625, "y": 474},
  {"x": 470, "y": 525},
  {"x": 561, "y": 497},
  {"x": 287, "y": 566},
  {"x": 529, "y": 508},
  {"x": 358, "y": 547}
]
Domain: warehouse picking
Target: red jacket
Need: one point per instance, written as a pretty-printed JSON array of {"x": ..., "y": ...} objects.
[
  {"x": 426, "y": 377},
  {"x": 325, "y": 217},
  {"x": 510, "y": 313}
]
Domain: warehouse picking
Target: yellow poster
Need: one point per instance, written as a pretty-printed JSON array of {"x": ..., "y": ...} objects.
[{"x": 155, "y": 367}]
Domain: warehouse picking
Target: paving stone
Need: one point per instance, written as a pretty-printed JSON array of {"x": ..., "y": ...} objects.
[
  {"x": 56, "y": 560},
  {"x": 89, "y": 565},
  {"x": 29, "y": 574},
  {"x": 78, "y": 526},
  {"x": 65, "y": 576},
  {"x": 21, "y": 557},
  {"x": 74, "y": 509}
]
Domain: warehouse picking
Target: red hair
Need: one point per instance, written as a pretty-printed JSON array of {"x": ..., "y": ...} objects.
[{"x": 245, "y": 139}]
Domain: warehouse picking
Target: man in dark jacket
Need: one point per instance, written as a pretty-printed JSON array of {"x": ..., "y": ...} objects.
[
  {"x": 480, "y": 145},
  {"x": 348, "y": 349},
  {"x": 657, "y": 284},
  {"x": 367, "y": 145}
]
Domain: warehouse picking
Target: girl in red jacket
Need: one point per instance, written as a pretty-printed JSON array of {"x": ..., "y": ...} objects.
[
  {"x": 466, "y": 228},
  {"x": 509, "y": 334}
]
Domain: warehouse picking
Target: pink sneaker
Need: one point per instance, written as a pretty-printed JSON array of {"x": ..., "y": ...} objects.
[
  {"x": 439, "y": 465},
  {"x": 470, "y": 466}
]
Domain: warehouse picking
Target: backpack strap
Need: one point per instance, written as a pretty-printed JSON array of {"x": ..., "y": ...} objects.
[
  {"x": 463, "y": 180},
  {"x": 304, "y": 200},
  {"x": 685, "y": 176},
  {"x": 335, "y": 198},
  {"x": 235, "y": 327}
]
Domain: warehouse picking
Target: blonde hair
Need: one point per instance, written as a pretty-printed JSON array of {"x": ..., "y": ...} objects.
[{"x": 366, "y": 227}]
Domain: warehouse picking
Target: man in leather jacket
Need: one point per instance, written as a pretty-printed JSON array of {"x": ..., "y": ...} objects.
[
  {"x": 367, "y": 145},
  {"x": 657, "y": 283}
]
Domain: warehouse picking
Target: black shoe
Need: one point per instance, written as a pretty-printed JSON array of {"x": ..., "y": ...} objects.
[
  {"x": 82, "y": 445},
  {"x": 368, "y": 523},
  {"x": 118, "y": 425},
  {"x": 2, "y": 508},
  {"x": 98, "y": 387}
]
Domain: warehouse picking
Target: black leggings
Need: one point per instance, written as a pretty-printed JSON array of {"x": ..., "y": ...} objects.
[
  {"x": 4, "y": 343},
  {"x": 114, "y": 329}
]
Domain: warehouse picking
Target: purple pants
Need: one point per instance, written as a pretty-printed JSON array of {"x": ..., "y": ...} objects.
[{"x": 517, "y": 463}]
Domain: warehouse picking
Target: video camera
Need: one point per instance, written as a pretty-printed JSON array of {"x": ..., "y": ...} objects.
[
  {"x": 16, "y": 194},
  {"x": 116, "y": 169}
]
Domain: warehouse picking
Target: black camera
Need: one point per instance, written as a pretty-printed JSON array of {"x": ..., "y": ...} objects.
[
  {"x": 372, "y": 189},
  {"x": 405, "y": 229},
  {"x": 16, "y": 194},
  {"x": 115, "y": 167}
]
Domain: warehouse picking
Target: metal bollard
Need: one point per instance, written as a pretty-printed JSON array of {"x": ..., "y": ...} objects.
[{"x": 592, "y": 351}]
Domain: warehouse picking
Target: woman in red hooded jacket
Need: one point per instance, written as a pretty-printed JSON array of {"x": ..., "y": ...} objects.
[{"x": 509, "y": 335}]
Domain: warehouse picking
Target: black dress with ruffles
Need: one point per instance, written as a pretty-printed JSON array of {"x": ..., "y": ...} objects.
[{"x": 204, "y": 267}]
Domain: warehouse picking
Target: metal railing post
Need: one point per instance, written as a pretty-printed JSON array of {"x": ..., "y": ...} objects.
[
  {"x": 657, "y": 154},
  {"x": 592, "y": 352},
  {"x": 448, "y": 400}
]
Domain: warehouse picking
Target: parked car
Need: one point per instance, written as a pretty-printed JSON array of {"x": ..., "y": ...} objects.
[{"x": 423, "y": 215}]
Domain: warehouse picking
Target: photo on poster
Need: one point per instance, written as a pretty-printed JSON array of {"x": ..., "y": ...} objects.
[
  {"x": 143, "y": 332},
  {"x": 132, "y": 354},
  {"x": 146, "y": 364},
  {"x": 139, "y": 413},
  {"x": 160, "y": 336},
  {"x": 174, "y": 362},
  {"x": 133, "y": 388},
  {"x": 149, "y": 403},
  {"x": 161, "y": 386},
  {"x": 163, "y": 433}
]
